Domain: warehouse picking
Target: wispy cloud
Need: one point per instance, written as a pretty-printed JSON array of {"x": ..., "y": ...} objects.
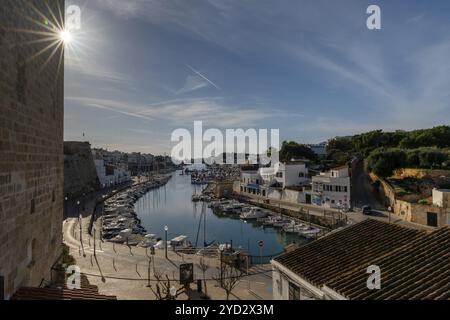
[
  {"x": 203, "y": 77},
  {"x": 193, "y": 83},
  {"x": 109, "y": 105},
  {"x": 294, "y": 53},
  {"x": 184, "y": 112}
]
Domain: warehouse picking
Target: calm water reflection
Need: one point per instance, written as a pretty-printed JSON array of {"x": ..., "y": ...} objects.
[{"x": 171, "y": 205}]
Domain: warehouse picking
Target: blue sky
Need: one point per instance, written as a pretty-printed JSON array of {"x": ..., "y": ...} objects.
[{"x": 139, "y": 69}]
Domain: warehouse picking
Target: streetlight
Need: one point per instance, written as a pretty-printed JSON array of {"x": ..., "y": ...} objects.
[
  {"x": 78, "y": 209},
  {"x": 221, "y": 249},
  {"x": 166, "y": 228},
  {"x": 95, "y": 230},
  {"x": 81, "y": 228}
]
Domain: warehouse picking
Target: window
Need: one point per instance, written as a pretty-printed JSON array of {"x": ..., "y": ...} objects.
[
  {"x": 294, "y": 291},
  {"x": 301, "y": 175},
  {"x": 279, "y": 174}
]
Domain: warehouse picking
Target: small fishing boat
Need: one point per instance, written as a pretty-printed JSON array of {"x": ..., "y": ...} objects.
[
  {"x": 281, "y": 223},
  {"x": 180, "y": 242},
  {"x": 253, "y": 213},
  {"x": 309, "y": 233},
  {"x": 294, "y": 228}
]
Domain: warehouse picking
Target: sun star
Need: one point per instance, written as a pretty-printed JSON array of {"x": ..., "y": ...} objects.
[{"x": 65, "y": 36}]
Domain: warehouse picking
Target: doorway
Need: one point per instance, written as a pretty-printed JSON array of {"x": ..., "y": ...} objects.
[{"x": 432, "y": 220}]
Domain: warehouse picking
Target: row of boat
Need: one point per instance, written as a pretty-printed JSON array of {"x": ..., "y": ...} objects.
[
  {"x": 120, "y": 223},
  {"x": 263, "y": 216},
  {"x": 213, "y": 173}
]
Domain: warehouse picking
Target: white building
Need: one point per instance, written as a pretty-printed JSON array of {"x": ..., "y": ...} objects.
[
  {"x": 332, "y": 189},
  {"x": 263, "y": 181},
  {"x": 252, "y": 182},
  {"x": 110, "y": 175},
  {"x": 294, "y": 173},
  {"x": 441, "y": 198}
]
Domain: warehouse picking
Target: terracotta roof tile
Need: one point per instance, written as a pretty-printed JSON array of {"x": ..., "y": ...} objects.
[
  {"x": 414, "y": 264},
  {"x": 342, "y": 252},
  {"x": 58, "y": 294},
  {"x": 418, "y": 270},
  {"x": 61, "y": 292}
]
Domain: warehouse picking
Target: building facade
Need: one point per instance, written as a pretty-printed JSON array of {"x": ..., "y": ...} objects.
[
  {"x": 140, "y": 164},
  {"x": 111, "y": 174},
  {"x": 31, "y": 146},
  {"x": 332, "y": 189},
  {"x": 266, "y": 181}
]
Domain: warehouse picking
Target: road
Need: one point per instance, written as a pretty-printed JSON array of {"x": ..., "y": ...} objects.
[
  {"x": 362, "y": 192},
  {"x": 123, "y": 272}
]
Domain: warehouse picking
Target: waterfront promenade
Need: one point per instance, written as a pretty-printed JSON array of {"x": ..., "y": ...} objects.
[{"x": 122, "y": 272}]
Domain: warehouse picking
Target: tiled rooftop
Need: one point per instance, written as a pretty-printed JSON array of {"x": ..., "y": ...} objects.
[
  {"x": 87, "y": 292},
  {"x": 59, "y": 294},
  {"x": 339, "y": 253},
  {"x": 414, "y": 264},
  {"x": 419, "y": 270}
]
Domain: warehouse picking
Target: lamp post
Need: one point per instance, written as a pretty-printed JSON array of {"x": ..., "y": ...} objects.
[
  {"x": 65, "y": 205},
  {"x": 80, "y": 221},
  {"x": 221, "y": 249},
  {"x": 166, "y": 228},
  {"x": 95, "y": 253}
]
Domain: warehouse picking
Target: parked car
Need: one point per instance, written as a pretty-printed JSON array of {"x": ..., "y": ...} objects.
[{"x": 367, "y": 210}]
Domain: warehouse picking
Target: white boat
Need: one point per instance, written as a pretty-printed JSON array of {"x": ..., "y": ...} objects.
[
  {"x": 147, "y": 242},
  {"x": 180, "y": 242},
  {"x": 233, "y": 208},
  {"x": 281, "y": 223},
  {"x": 122, "y": 237},
  {"x": 294, "y": 228},
  {"x": 253, "y": 213},
  {"x": 309, "y": 233},
  {"x": 160, "y": 244}
]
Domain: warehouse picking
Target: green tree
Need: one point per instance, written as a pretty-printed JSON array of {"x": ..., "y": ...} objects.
[
  {"x": 292, "y": 150},
  {"x": 383, "y": 162}
]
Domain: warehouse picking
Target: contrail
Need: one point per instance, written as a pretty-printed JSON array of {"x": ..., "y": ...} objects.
[{"x": 203, "y": 77}]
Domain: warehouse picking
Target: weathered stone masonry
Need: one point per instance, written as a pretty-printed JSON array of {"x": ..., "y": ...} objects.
[{"x": 31, "y": 146}]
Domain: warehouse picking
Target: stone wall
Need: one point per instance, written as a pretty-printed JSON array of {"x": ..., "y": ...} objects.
[
  {"x": 287, "y": 195},
  {"x": 80, "y": 175},
  {"x": 412, "y": 212},
  {"x": 31, "y": 145}
]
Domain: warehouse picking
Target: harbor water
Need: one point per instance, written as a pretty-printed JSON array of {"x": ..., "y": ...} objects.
[{"x": 172, "y": 206}]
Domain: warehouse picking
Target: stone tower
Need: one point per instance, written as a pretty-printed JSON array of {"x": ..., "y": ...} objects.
[{"x": 31, "y": 141}]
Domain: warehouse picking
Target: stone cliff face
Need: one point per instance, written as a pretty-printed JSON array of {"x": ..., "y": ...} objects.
[{"x": 80, "y": 175}]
